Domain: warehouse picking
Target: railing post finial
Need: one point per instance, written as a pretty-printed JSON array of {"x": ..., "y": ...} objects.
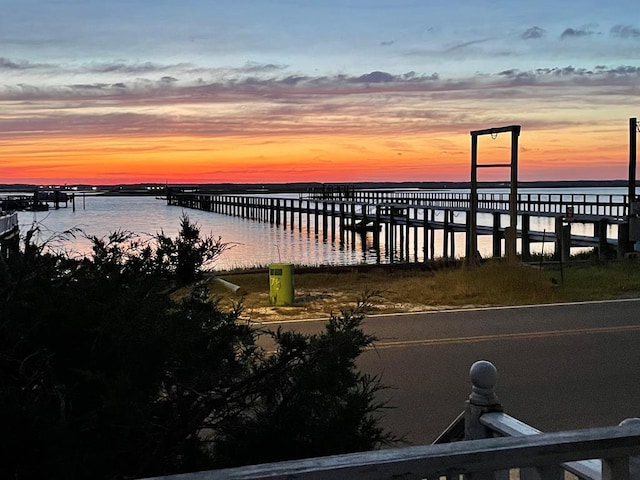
[
  {"x": 633, "y": 421},
  {"x": 484, "y": 376},
  {"x": 483, "y": 399}
]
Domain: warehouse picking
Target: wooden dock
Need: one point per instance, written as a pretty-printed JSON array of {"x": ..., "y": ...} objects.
[
  {"x": 411, "y": 218},
  {"x": 36, "y": 201}
]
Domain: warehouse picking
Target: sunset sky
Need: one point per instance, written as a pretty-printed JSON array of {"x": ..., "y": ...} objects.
[{"x": 129, "y": 91}]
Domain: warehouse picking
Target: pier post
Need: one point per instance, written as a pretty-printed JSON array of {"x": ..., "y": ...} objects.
[
  {"x": 526, "y": 240},
  {"x": 343, "y": 225},
  {"x": 271, "y": 216},
  {"x": 403, "y": 253},
  {"x": 333, "y": 222},
  {"x": 432, "y": 243},
  {"x": 285, "y": 209},
  {"x": 558, "y": 241},
  {"x": 425, "y": 234},
  {"x": 391, "y": 233},
  {"x": 308, "y": 218},
  {"x": 445, "y": 235},
  {"x": 325, "y": 220},
  {"x": 601, "y": 233},
  {"x": 316, "y": 211},
  {"x": 364, "y": 224},
  {"x": 452, "y": 235},
  {"x": 415, "y": 236},
  {"x": 510, "y": 237},
  {"x": 407, "y": 234},
  {"x": 623, "y": 239},
  {"x": 563, "y": 240},
  {"x": 497, "y": 240},
  {"x": 566, "y": 238},
  {"x": 633, "y": 148}
]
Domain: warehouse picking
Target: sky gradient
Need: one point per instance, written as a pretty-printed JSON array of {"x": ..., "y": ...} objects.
[{"x": 257, "y": 91}]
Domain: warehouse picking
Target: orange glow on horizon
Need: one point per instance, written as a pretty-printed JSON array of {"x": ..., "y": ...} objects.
[{"x": 580, "y": 153}]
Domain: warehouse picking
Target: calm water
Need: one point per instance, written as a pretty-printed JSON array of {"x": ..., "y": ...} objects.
[{"x": 251, "y": 243}]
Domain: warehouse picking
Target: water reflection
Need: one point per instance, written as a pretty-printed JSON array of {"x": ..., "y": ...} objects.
[{"x": 253, "y": 243}]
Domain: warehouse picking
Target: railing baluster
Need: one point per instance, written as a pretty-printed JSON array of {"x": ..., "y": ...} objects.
[
  {"x": 615, "y": 468},
  {"x": 550, "y": 472}
]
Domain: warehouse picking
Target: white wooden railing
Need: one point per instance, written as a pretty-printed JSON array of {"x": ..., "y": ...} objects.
[{"x": 482, "y": 443}]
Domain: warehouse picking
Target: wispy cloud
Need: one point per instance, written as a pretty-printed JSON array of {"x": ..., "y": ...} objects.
[
  {"x": 126, "y": 68},
  {"x": 461, "y": 46},
  {"x": 533, "y": 33},
  {"x": 7, "y": 64},
  {"x": 377, "y": 102},
  {"x": 577, "y": 33},
  {"x": 625, "y": 31}
]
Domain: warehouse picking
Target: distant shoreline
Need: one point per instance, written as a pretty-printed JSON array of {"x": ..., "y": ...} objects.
[{"x": 159, "y": 189}]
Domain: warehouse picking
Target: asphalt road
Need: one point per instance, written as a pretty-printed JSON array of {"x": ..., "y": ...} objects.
[{"x": 559, "y": 366}]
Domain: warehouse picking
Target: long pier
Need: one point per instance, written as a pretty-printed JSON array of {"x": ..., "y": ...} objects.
[{"x": 408, "y": 219}]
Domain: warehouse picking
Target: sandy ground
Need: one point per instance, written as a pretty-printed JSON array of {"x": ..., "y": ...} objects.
[{"x": 321, "y": 304}]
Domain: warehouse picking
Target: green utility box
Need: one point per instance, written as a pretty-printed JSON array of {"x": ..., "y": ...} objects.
[{"x": 281, "y": 284}]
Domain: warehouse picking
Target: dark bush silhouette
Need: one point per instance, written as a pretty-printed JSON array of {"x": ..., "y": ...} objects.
[{"x": 104, "y": 375}]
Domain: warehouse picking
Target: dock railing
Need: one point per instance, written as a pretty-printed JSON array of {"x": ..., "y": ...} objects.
[{"x": 482, "y": 443}]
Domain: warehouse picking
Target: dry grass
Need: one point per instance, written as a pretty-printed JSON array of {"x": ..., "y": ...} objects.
[{"x": 321, "y": 291}]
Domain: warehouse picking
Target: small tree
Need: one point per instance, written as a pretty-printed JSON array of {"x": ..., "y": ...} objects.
[
  {"x": 311, "y": 401},
  {"x": 185, "y": 256}
]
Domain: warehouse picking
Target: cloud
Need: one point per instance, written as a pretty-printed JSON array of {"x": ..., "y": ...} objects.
[
  {"x": 600, "y": 75},
  {"x": 374, "y": 77},
  {"x": 254, "y": 67},
  {"x": 127, "y": 68},
  {"x": 533, "y": 33},
  {"x": 166, "y": 80},
  {"x": 576, "y": 33},
  {"x": 466, "y": 44},
  {"x": 6, "y": 64},
  {"x": 235, "y": 84},
  {"x": 625, "y": 31}
]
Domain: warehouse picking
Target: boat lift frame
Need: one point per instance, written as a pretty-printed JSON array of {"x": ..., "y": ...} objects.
[{"x": 511, "y": 233}]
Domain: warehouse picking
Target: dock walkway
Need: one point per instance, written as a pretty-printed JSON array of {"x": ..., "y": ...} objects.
[{"x": 418, "y": 215}]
